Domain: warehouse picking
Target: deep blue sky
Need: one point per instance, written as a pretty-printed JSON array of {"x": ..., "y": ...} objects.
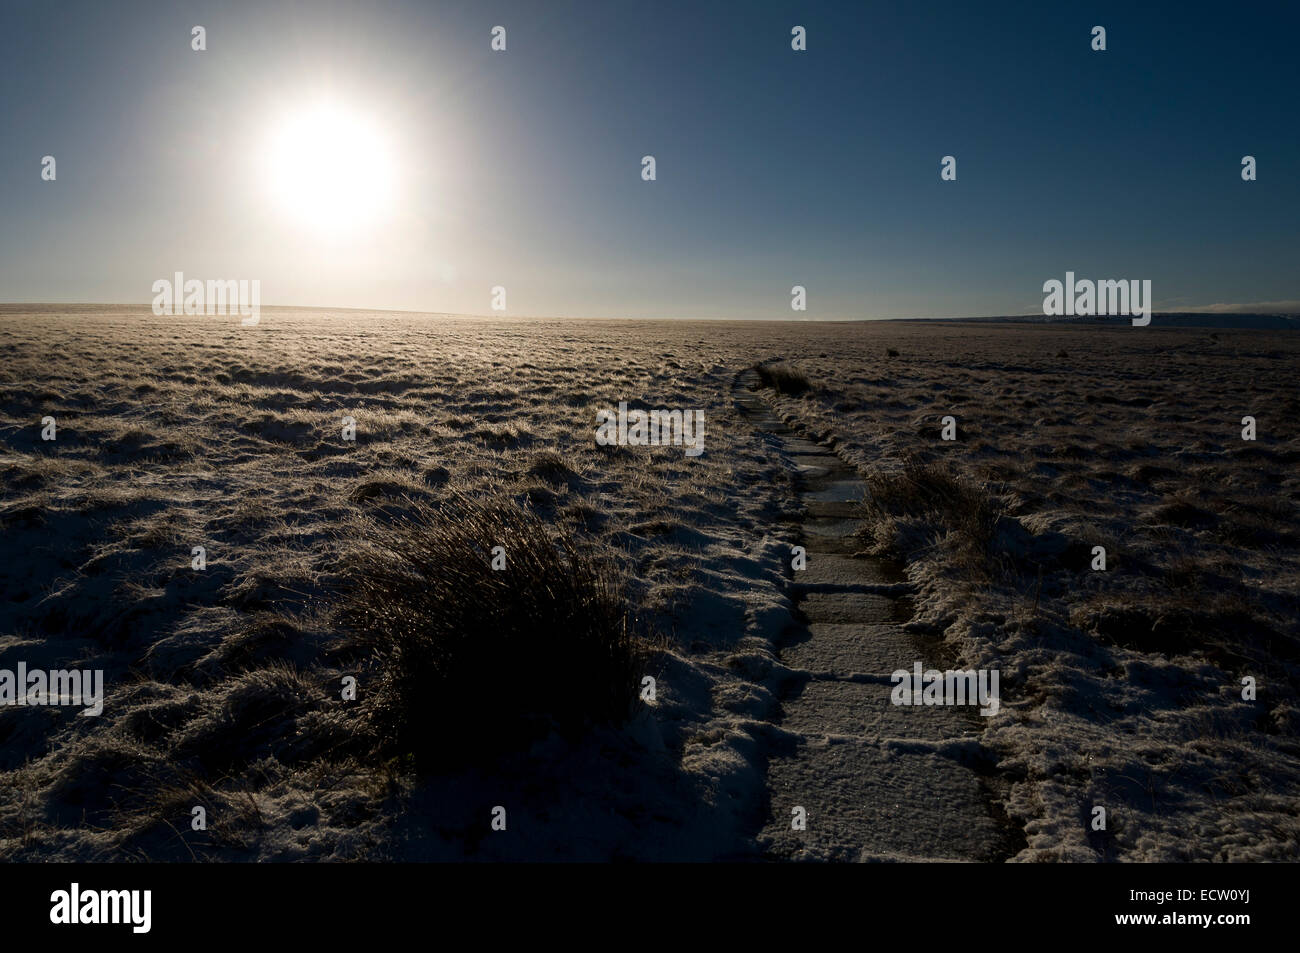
[{"x": 775, "y": 168}]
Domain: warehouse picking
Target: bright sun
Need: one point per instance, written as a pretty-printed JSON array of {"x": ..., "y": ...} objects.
[{"x": 331, "y": 169}]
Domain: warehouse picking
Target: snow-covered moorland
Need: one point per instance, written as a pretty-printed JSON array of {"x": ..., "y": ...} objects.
[{"x": 229, "y": 687}]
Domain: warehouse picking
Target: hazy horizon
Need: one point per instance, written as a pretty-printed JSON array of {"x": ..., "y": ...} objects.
[{"x": 1289, "y": 317}]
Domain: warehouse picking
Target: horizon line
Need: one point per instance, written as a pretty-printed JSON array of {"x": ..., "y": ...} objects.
[{"x": 1209, "y": 311}]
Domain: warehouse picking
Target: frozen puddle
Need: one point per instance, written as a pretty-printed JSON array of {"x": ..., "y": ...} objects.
[{"x": 870, "y": 777}]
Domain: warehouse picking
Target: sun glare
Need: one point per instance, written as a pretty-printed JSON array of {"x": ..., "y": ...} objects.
[{"x": 331, "y": 169}]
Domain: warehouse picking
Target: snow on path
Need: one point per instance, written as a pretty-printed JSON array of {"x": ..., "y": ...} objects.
[{"x": 877, "y": 781}]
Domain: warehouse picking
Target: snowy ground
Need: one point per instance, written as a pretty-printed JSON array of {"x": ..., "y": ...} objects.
[{"x": 1119, "y": 689}]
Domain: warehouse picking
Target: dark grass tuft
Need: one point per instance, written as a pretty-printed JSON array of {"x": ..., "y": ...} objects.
[
  {"x": 783, "y": 378},
  {"x": 936, "y": 494},
  {"x": 1224, "y": 627},
  {"x": 468, "y": 661}
]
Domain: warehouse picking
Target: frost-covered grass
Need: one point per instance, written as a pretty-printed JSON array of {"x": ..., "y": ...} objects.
[
  {"x": 224, "y": 686},
  {"x": 783, "y": 378},
  {"x": 1121, "y": 688}
]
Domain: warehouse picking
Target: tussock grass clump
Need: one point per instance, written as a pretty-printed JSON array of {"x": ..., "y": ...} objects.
[
  {"x": 252, "y": 716},
  {"x": 470, "y": 661},
  {"x": 937, "y": 496},
  {"x": 552, "y": 467},
  {"x": 783, "y": 378},
  {"x": 1225, "y": 628}
]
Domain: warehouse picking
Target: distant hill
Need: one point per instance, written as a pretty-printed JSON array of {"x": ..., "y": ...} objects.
[{"x": 1199, "y": 319}]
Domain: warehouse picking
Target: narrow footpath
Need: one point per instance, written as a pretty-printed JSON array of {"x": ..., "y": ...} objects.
[{"x": 877, "y": 781}]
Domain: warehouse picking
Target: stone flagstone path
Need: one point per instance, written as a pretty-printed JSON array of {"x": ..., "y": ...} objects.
[{"x": 878, "y": 781}]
